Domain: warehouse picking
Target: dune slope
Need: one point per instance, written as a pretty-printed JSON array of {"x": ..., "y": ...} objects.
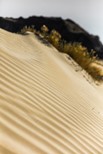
[{"x": 46, "y": 107}]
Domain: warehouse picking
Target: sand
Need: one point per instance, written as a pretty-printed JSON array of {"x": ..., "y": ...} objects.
[{"x": 46, "y": 106}]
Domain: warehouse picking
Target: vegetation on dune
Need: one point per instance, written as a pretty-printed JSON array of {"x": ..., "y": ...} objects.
[
  {"x": 75, "y": 50},
  {"x": 27, "y": 29}
]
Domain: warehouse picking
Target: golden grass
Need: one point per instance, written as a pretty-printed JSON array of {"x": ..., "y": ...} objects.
[
  {"x": 81, "y": 55},
  {"x": 75, "y": 50}
]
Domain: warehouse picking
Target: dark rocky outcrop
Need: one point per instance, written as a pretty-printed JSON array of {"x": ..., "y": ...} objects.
[{"x": 69, "y": 30}]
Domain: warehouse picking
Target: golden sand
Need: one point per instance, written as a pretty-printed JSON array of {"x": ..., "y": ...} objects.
[{"x": 46, "y": 107}]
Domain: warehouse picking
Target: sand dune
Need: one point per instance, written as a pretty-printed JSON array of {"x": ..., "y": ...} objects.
[{"x": 46, "y": 107}]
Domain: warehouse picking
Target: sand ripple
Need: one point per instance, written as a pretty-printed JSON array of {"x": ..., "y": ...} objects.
[{"x": 45, "y": 106}]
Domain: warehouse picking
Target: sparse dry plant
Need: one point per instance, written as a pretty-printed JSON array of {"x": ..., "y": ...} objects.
[
  {"x": 54, "y": 38},
  {"x": 75, "y": 50},
  {"x": 81, "y": 55},
  {"x": 44, "y": 31},
  {"x": 28, "y": 29}
]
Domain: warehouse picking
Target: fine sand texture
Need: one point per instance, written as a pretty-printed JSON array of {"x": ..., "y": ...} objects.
[{"x": 46, "y": 106}]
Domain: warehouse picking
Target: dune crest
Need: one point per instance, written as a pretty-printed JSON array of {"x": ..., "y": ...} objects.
[{"x": 46, "y": 107}]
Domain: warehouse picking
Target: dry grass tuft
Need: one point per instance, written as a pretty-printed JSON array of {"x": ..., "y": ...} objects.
[
  {"x": 75, "y": 50},
  {"x": 81, "y": 55}
]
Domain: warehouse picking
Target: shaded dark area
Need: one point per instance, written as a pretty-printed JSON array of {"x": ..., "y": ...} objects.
[
  {"x": 69, "y": 30},
  {"x": 42, "y": 40}
]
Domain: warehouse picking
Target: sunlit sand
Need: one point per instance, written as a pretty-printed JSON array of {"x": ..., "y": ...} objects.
[{"x": 46, "y": 107}]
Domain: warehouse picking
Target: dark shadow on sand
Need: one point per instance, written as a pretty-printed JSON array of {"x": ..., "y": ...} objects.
[{"x": 42, "y": 40}]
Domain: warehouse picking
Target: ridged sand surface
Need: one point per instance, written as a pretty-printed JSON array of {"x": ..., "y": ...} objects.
[{"x": 46, "y": 107}]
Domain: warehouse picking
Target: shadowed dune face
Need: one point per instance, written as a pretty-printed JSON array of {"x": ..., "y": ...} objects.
[{"x": 45, "y": 105}]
